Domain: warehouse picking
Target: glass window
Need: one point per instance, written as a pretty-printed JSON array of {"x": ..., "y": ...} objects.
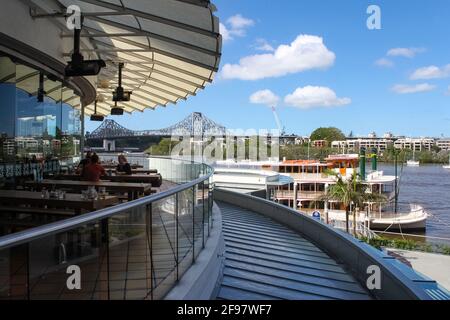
[{"x": 40, "y": 115}]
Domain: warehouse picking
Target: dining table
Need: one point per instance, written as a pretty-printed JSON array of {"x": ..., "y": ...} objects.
[
  {"x": 154, "y": 179},
  {"x": 32, "y": 199},
  {"x": 134, "y": 190},
  {"x": 114, "y": 166},
  {"x": 135, "y": 171}
]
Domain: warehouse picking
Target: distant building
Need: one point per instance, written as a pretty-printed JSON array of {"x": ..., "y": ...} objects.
[
  {"x": 368, "y": 143},
  {"x": 319, "y": 143},
  {"x": 36, "y": 126},
  {"x": 444, "y": 144},
  {"x": 293, "y": 140},
  {"x": 417, "y": 144}
]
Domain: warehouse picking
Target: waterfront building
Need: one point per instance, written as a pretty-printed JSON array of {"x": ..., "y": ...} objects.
[
  {"x": 355, "y": 144},
  {"x": 417, "y": 144},
  {"x": 443, "y": 144}
]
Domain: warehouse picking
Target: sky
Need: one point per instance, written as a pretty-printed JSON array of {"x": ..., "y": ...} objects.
[{"x": 320, "y": 65}]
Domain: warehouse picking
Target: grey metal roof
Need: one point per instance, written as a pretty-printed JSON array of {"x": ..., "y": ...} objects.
[{"x": 266, "y": 260}]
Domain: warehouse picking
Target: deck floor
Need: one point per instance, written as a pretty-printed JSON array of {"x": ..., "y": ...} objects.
[{"x": 265, "y": 260}]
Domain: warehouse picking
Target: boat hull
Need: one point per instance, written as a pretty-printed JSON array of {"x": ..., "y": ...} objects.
[{"x": 402, "y": 226}]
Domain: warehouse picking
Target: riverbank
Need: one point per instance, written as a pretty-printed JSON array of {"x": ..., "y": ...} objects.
[{"x": 434, "y": 156}]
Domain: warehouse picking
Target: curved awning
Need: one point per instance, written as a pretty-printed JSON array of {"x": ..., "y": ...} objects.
[{"x": 171, "y": 48}]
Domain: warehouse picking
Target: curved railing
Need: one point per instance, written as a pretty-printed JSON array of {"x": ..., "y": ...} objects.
[{"x": 135, "y": 250}]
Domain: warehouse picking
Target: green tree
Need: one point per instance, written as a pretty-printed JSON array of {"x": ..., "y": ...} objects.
[
  {"x": 329, "y": 134},
  {"x": 163, "y": 148},
  {"x": 351, "y": 192}
]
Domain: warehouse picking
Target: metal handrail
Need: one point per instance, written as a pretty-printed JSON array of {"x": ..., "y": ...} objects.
[{"x": 25, "y": 236}]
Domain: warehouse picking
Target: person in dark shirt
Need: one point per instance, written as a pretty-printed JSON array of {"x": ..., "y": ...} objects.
[
  {"x": 123, "y": 167},
  {"x": 84, "y": 162},
  {"x": 93, "y": 171}
]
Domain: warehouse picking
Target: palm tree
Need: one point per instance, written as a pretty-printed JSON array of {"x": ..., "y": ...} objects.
[{"x": 351, "y": 192}]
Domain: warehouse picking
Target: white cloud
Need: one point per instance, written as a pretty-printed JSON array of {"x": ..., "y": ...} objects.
[
  {"x": 265, "y": 97},
  {"x": 311, "y": 97},
  {"x": 407, "y": 89},
  {"x": 383, "y": 62},
  {"x": 226, "y": 36},
  {"x": 405, "y": 52},
  {"x": 235, "y": 27},
  {"x": 448, "y": 91},
  {"x": 263, "y": 45},
  {"x": 431, "y": 72},
  {"x": 304, "y": 53},
  {"x": 238, "y": 22}
]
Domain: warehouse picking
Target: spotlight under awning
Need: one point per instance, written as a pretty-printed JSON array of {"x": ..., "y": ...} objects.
[{"x": 171, "y": 49}]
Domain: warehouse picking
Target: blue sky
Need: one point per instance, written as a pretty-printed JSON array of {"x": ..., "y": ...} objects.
[{"x": 395, "y": 79}]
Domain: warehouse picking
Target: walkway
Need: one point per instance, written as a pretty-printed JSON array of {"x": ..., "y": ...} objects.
[
  {"x": 434, "y": 266},
  {"x": 265, "y": 260}
]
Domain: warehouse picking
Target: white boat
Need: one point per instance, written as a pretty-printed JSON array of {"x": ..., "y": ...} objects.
[
  {"x": 413, "y": 220},
  {"x": 413, "y": 162},
  {"x": 447, "y": 166}
]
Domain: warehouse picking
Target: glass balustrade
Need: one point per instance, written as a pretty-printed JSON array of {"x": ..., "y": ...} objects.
[{"x": 135, "y": 250}]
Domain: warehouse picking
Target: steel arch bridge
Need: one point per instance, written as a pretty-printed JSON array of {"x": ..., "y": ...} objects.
[{"x": 196, "y": 124}]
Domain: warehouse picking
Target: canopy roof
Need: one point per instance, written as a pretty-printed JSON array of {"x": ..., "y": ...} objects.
[{"x": 171, "y": 48}]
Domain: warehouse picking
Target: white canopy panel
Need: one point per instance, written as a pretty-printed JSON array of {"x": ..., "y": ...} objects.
[{"x": 171, "y": 48}]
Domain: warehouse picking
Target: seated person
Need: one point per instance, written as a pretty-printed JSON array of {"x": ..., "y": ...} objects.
[
  {"x": 93, "y": 171},
  {"x": 84, "y": 162},
  {"x": 123, "y": 167}
]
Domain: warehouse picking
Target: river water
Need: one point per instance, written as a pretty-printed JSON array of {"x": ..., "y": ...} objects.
[{"x": 428, "y": 186}]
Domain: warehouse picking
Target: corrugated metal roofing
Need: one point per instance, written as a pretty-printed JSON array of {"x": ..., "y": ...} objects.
[{"x": 266, "y": 260}]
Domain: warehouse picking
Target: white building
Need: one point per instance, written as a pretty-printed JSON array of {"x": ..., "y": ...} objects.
[
  {"x": 367, "y": 143},
  {"x": 444, "y": 144},
  {"x": 417, "y": 144}
]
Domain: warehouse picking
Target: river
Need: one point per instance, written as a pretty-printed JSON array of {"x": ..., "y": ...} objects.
[{"x": 428, "y": 186}]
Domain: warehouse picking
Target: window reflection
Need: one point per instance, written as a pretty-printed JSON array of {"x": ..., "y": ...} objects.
[{"x": 31, "y": 127}]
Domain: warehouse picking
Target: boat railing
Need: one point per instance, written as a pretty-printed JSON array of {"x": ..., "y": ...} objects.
[
  {"x": 310, "y": 195},
  {"x": 135, "y": 250},
  {"x": 361, "y": 229},
  {"x": 414, "y": 211}
]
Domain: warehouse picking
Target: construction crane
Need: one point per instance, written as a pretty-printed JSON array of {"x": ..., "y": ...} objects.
[{"x": 277, "y": 120}]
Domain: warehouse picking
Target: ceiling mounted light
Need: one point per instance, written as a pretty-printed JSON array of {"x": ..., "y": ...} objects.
[
  {"x": 95, "y": 116},
  {"x": 120, "y": 95},
  {"x": 80, "y": 67},
  {"x": 116, "y": 111}
]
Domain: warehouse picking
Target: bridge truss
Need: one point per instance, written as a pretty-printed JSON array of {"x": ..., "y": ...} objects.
[{"x": 196, "y": 124}]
